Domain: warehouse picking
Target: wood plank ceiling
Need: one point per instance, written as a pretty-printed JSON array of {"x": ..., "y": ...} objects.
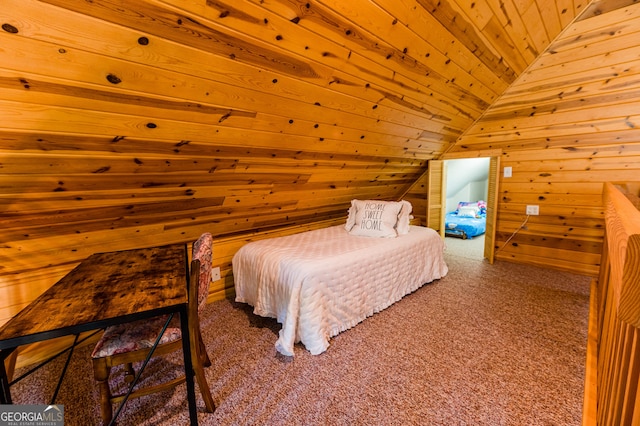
[{"x": 139, "y": 123}]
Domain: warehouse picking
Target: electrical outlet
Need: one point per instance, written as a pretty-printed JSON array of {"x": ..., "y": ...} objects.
[
  {"x": 508, "y": 172},
  {"x": 215, "y": 274},
  {"x": 533, "y": 210}
]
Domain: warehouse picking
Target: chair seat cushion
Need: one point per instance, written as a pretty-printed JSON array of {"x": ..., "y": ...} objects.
[{"x": 135, "y": 335}]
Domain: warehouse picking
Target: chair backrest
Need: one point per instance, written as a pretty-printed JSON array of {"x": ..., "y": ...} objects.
[{"x": 202, "y": 250}]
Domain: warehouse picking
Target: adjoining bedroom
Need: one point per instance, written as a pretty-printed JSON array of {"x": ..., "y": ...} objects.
[{"x": 465, "y": 209}]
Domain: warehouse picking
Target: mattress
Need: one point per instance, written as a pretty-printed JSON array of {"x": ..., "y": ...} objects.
[
  {"x": 467, "y": 227},
  {"x": 322, "y": 282}
]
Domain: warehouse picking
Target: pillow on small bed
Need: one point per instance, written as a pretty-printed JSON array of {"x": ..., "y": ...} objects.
[
  {"x": 468, "y": 212},
  {"x": 463, "y": 204},
  {"x": 375, "y": 218},
  {"x": 480, "y": 205}
]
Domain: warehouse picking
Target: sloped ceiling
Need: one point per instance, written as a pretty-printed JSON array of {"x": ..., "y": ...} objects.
[
  {"x": 581, "y": 91},
  {"x": 412, "y": 74},
  {"x": 292, "y": 108}
]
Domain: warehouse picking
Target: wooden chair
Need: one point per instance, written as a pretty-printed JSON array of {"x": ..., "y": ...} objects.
[{"x": 128, "y": 343}]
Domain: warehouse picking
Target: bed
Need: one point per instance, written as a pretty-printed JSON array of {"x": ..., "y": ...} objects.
[
  {"x": 322, "y": 282},
  {"x": 467, "y": 221}
]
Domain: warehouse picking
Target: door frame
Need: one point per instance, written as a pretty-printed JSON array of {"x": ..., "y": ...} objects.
[{"x": 492, "y": 194}]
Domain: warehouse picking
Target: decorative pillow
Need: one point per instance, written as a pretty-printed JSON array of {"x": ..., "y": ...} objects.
[
  {"x": 468, "y": 212},
  {"x": 480, "y": 205},
  {"x": 404, "y": 219},
  {"x": 351, "y": 217},
  {"x": 462, "y": 204},
  {"x": 375, "y": 218}
]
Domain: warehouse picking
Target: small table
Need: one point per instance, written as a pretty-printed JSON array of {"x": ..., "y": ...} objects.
[{"x": 107, "y": 289}]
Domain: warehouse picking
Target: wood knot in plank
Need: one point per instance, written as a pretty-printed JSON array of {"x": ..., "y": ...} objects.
[
  {"x": 9, "y": 28},
  {"x": 113, "y": 79}
]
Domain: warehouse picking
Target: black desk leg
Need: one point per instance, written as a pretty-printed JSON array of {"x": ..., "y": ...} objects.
[
  {"x": 5, "y": 392},
  {"x": 188, "y": 366}
]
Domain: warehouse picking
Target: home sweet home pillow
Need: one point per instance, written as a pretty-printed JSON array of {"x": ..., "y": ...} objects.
[{"x": 374, "y": 218}]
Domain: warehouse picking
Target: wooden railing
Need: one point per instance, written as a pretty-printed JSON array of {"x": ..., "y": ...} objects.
[{"x": 618, "y": 310}]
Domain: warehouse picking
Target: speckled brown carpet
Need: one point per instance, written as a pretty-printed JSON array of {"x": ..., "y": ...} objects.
[{"x": 500, "y": 344}]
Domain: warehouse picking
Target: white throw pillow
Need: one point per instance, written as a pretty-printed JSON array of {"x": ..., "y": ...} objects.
[
  {"x": 375, "y": 218},
  {"x": 468, "y": 212},
  {"x": 404, "y": 219},
  {"x": 351, "y": 217}
]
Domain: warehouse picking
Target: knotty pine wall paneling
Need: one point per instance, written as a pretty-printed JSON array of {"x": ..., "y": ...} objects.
[
  {"x": 135, "y": 124},
  {"x": 566, "y": 126}
]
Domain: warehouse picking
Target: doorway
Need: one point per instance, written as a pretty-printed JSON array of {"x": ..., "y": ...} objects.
[
  {"x": 437, "y": 192},
  {"x": 466, "y": 182}
]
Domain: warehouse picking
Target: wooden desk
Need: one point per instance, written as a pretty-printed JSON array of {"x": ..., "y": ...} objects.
[{"x": 107, "y": 289}]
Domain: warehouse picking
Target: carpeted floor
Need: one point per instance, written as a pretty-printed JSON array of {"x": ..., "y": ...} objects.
[
  {"x": 500, "y": 344},
  {"x": 471, "y": 249}
]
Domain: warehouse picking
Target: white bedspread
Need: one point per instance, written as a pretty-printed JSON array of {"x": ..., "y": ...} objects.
[{"x": 322, "y": 282}]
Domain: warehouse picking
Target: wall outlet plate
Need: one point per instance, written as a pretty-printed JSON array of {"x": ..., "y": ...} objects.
[
  {"x": 215, "y": 274},
  {"x": 533, "y": 210},
  {"x": 508, "y": 171}
]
